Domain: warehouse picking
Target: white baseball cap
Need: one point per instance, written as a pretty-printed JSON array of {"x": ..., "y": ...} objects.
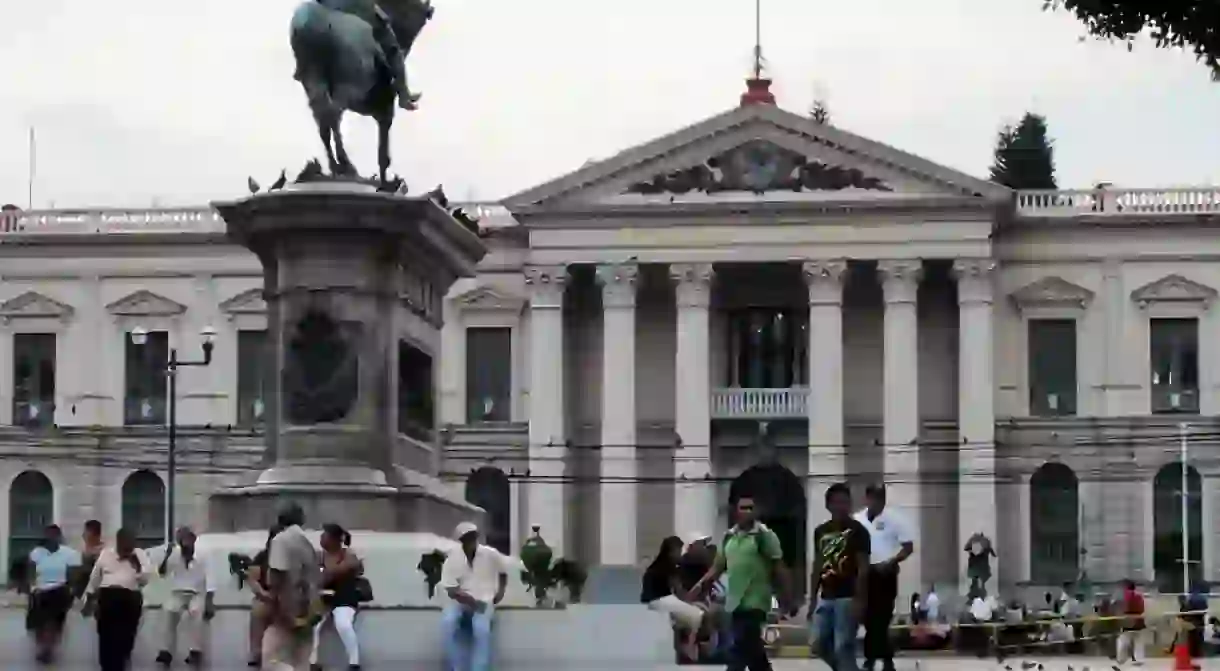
[{"x": 464, "y": 528}]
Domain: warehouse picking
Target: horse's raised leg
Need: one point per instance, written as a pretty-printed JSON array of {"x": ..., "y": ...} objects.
[{"x": 383, "y": 145}]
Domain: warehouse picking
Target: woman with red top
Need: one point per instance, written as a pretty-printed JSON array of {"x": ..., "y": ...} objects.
[{"x": 1131, "y": 641}]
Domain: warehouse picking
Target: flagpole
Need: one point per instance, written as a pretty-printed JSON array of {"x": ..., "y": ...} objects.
[{"x": 33, "y": 167}]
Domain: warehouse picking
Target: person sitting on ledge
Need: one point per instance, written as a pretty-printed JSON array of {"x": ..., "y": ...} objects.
[{"x": 474, "y": 577}]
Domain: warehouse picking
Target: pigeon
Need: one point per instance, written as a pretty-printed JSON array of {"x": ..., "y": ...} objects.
[
  {"x": 280, "y": 182},
  {"x": 252, "y": 185}
]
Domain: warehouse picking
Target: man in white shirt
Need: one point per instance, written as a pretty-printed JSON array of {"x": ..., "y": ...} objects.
[
  {"x": 931, "y": 605},
  {"x": 892, "y": 542},
  {"x": 474, "y": 576},
  {"x": 51, "y": 596},
  {"x": 190, "y": 601},
  {"x": 295, "y": 568}
]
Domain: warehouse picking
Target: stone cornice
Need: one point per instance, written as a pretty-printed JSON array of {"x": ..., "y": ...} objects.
[
  {"x": 618, "y": 282},
  {"x": 144, "y": 303},
  {"x": 825, "y": 278},
  {"x": 484, "y": 298},
  {"x": 1173, "y": 289},
  {"x": 1051, "y": 292},
  {"x": 900, "y": 279},
  {"x": 32, "y": 304}
]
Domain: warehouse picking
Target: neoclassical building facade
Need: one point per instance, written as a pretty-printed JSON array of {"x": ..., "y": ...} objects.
[{"x": 757, "y": 304}]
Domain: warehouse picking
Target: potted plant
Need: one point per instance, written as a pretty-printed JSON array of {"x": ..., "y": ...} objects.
[
  {"x": 430, "y": 565},
  {"x": 570, "y": 574}
]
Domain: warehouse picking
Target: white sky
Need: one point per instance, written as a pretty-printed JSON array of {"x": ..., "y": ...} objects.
[{"x": 165, "y": 101}]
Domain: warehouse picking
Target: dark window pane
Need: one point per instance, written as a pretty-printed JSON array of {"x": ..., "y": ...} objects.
[
  {"x": 768, "y": 348},
  {"x": 34, "y": 379},
  {"x": 143, "y": 503},
  {"x": 144, "y": 379},
  {"x": 1052, "y": 367},
  {"x": 31, "y": 508},
  {"x": 1174, "y": 359},
  {"x": 489, "y": 374},
  {"x": 253, "y": 364},
  {"x": 1167, "y": 523},
  {"x": 1054, "y": 524}
]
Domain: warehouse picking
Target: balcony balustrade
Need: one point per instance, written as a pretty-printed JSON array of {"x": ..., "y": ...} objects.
[{"x": 743, "y": 403}]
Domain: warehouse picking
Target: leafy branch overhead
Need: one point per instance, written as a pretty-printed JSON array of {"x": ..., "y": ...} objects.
[{"x": 1185, "y": 24}]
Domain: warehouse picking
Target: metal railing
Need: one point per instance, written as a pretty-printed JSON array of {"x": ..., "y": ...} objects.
[{"x": 745, "y": 403}]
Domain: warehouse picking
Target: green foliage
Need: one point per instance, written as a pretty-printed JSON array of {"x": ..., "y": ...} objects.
[
  {"x": 1024, "y": 155},
  {"x": 1184, "y": 24}
]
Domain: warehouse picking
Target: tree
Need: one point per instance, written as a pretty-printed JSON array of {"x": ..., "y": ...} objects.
[
  {"x": 1185, "y": 24},
  {"x": 1024, "y": 157},
  {"x": 819, "y": 112}
]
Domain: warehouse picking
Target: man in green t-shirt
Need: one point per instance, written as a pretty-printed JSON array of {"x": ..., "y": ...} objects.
[{"x": 752, "y": 557}]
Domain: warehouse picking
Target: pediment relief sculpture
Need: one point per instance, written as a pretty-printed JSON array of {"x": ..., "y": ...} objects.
[
  {"x": 486, "y": 298},
  {"x": 34, "y": 304},
  {"x": 1052, "y": 292},
  {"x": 144, "y": 303},
  {"x": 1173, "y": 289},
  {"x": 759, "y": 166},
  {"x": 247, "y": 302}
]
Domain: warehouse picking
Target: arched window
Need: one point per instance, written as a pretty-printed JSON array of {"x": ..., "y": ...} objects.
[
  {"x": 1167, "y": 522},
  {"x": 1054, "y": 525},
  {"x": 488, "y": 488},
  {"x": 31, "y": 507},
  {"x": 779, "y": 502},
  {"x": 144, "y": 508}
]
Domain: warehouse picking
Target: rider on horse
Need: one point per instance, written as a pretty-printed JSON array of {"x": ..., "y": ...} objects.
[{"x": 391, "y": 49}]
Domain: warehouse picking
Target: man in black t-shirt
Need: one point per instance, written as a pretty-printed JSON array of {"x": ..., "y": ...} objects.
[{"x": 839, "y": 578}]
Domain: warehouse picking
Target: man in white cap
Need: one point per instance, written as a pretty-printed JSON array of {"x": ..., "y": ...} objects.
[{"x": 474, "y": 577}]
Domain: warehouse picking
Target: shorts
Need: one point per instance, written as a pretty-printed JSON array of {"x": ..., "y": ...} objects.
[
  {"x": 48, "y": 607},
  {"x": 684, "y": 613}
]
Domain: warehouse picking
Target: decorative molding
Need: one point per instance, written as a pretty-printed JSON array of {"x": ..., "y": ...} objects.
[
  {"x": 485, "y": 298},
  {"x": 248, "y": 302},
  {"x": 144, "y": 303},
  {"x": 825, "y": 278},
  {"x": 1051, "y": 292},
  {"x": 693, "y": 283},
  {"x": 900, "y": 279},
  {"x": 974, "y": 280},
  {"x": 546, "y": 285},
  {"x": 618, "y": 282},
  {"x": 1174, "y": 289},
  {"x": 32, "y": 304}
]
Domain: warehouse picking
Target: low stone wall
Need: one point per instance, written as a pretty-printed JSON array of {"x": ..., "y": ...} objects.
[{"x": 580, "y": 637}]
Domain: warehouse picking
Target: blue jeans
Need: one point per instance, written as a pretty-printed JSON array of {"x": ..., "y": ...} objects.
[
  {"x": 466, "y": 649},
  {"x": 835, "y": 629}
]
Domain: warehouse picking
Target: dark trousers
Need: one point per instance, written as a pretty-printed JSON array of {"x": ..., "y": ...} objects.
[
  {"x": 748, "y": 651},
  {"x": 878, "y": 614},
  {"x": 118, "y": 620}
]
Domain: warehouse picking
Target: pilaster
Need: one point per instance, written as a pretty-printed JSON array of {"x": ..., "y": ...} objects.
[
  {"x": 900, "y": 405},
  {"x": 694, "y": 491},
  {"x": 547, "y": 430},
  {"x": 619, "y": 470}
]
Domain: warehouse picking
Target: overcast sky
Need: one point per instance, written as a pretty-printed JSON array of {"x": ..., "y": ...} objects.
[{"x": 165, "y": 101}]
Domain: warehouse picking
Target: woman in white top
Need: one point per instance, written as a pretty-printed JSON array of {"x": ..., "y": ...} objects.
[{"x": 114, "y": 599}]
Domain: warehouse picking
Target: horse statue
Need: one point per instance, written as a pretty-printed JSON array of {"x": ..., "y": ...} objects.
[{"x": 350, "y": 55}]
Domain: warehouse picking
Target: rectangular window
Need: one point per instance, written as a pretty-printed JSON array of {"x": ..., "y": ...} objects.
[
  {"x": 768, "y": 348},
  {"x": 253, "y": 357},
  {"x": 416, "y": 408},
  {"x": 1052, "y": 367},
  {"x": 489, "y": 375},
  {"x": 33, "y": 379},
  {"x": 144, "y": 401},
  {"x": 1174, "y": 358}
]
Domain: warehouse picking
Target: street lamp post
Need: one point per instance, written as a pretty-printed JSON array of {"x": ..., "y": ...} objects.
[{"x": 139, "y": 336}]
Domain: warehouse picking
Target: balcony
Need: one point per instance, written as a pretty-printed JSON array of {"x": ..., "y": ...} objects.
[
  {"x": 1112, "y": 201},
  {"x": 739, "y": 403}
]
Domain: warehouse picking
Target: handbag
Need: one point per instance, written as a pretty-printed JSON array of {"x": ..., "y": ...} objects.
[{"x": 364, "y": 590}]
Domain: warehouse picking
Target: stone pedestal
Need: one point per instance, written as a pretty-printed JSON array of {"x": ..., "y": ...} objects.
[{"x": 348, "y": 272}]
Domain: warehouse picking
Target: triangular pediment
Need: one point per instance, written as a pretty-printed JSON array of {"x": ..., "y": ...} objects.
[
  {"x": 486, "y": 298},
  {"x": 34, "y": 304},
  {"x": 247, "y": 302},
  {"x": 1173, "y": 289},
  {"x": 144, "y": 303},
  {"x": 756, "y": 149},
  {"x": 1052, "y": 292}
]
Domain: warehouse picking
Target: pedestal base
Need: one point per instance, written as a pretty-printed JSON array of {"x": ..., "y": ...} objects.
[{"x": 416, "y": 503}]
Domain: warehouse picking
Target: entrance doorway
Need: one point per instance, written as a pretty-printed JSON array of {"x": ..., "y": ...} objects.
[{"x": 779, "y": 500}]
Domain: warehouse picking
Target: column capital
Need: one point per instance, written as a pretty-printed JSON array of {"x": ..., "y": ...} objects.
[
  {"x": 618, "y": 282},
  {"x": 824, "y": 278},
  {"x": 545, "y": 285},
  {"x": 693, "y": 283},
  {"x": 974, "y": 280},
  {"x": 900, "y": 279}
]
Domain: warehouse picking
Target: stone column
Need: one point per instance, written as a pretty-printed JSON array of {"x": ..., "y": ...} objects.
[
  {"x": 900, "y": 404},
  {"x": 695, "y": 489},
  {"x": 827, "y": 452},
  {"x": 547, "y": 430},
  {"x": 618, "y": 423},
  {"x": 976, "y": 409}
]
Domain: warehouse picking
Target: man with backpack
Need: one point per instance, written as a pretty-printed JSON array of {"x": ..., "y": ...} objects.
[{"x": 751, "y": 556}]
